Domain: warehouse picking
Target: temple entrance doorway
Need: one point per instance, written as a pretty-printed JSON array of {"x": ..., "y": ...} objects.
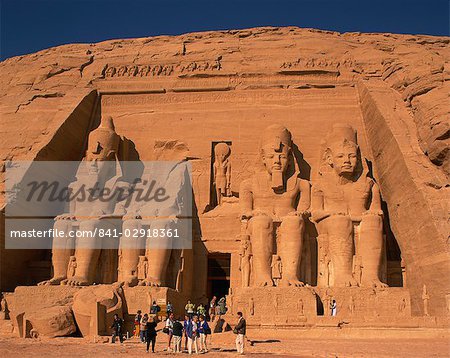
[{"x": 218, "y": 274}]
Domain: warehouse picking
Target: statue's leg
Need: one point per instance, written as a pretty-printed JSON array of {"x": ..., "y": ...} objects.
[
  {"x": 290, "y": 249},
  {"x": 131, "y": 247},
  {"x": 158, "y": 252},
  {"x": 371, "y": 244},
  {"x": 340, "y": 246},
  {"x": 261, "y": 228},
  {"x": 87, "y": 254},
  {"x": 61, "y": 252}
]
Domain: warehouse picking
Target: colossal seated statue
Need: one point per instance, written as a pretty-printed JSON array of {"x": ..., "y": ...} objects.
[
  {"x": 273, "y": 203},
  {"x": 99, "y": 170},
  {"x": 163, "y": 254},
  {"x": 346, "y": 206}
]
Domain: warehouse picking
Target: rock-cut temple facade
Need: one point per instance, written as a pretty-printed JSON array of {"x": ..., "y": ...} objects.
[{"x": 318, "y": 171}]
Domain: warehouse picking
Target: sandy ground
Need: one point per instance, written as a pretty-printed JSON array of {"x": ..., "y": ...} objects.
[{"x": 223, "y": 346}]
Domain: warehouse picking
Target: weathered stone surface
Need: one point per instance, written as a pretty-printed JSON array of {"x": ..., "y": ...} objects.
[
  {"x": 197, "y": 90},
  {"x": 94, "y": 308},
  {"x": 45, "y": 310},
  {"x": 55, "y": 321},
  {"x": 287, "y": 305}
]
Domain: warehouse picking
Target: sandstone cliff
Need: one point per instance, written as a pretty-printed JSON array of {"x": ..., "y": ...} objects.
[{"x": 48, "y": 100}]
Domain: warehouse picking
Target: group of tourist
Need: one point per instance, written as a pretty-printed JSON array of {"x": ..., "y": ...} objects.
[
  {"x": 194, "y": 327},
  {"x": 216, "y": 308}
]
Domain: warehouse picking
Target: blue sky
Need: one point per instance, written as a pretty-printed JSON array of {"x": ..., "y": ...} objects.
[{"x": 28, "y": 26}]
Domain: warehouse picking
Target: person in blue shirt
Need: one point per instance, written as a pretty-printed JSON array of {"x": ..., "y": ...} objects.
[
  {"x": 186, "y": 327},
  {"x": 204, "y": 331}
]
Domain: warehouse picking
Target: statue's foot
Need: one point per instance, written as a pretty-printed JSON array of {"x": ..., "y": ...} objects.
[
  {"x": 262, "y": 282},
  {"x": 373, "y": 283},
  {"x": 76, "y": 281},
  {"x": 130, "y": 281},
  {"x": 152, "y": 282},
  {"x": 52, "y": 281},
  {"x": 291, "y": 282},
  {"x": 346, "y": 282}
]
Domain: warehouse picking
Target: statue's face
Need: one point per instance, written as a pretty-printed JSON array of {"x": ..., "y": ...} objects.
[
  {"x": 221, "y": 157},
  {"x": 98, "y": 157},
  {"x": 343, "y": 158},
  {"x": 275, "y": 160}
]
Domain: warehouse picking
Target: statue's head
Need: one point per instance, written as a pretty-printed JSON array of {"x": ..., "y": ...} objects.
[
  {"x": 103, "y": 146},
  {"x": 221, "y": 151},
  {"x": 276, "y": 145},
  {"x": 342, "y": 152},
  {"x": 276, "y": 152}
]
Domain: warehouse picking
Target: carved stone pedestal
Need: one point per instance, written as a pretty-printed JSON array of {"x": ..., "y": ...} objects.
[
  {"x": 141, "y": 298},
  {"x": 273, "y": 306},
  {"x": 366, "y": 304}
]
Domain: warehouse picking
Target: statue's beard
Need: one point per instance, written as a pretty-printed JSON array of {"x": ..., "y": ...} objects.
[{"x": 277, "y": 180}]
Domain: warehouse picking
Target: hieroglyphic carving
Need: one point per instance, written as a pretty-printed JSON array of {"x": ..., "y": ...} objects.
[
  {"x": 210, "y": 97},
  {"x": 154, "y": 70},
  {"x": 316, "y": 62},
  {"x": 251, "y": 306},
  {"x": 201, "y": 66}
]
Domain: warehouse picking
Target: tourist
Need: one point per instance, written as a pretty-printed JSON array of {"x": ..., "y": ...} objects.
[
  {"x": 189, "y": 308},
  {"x": 204, "y": 331},
  {"x": 177, "y": 331},
  {"x": 192, "y": 334},
  {"x": 222, "y": 306},
  {"x": 240, "y": 331},
  {"x": 169, "y": 330},
  {"x": 154, "y": 309},
  {"x": 151, "y": 332},
  {"x": 187, "y": 322},
  {"x": 137, "y": 323},
  {"x": 212, "y": 308},
  {"x": 117, "y": 329},
  {"x": 333, "y": 307},
  {"x": 143, "y": 327},
  {"x": 201, "y": 310},
  {"x": 169, "y": 308}
]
